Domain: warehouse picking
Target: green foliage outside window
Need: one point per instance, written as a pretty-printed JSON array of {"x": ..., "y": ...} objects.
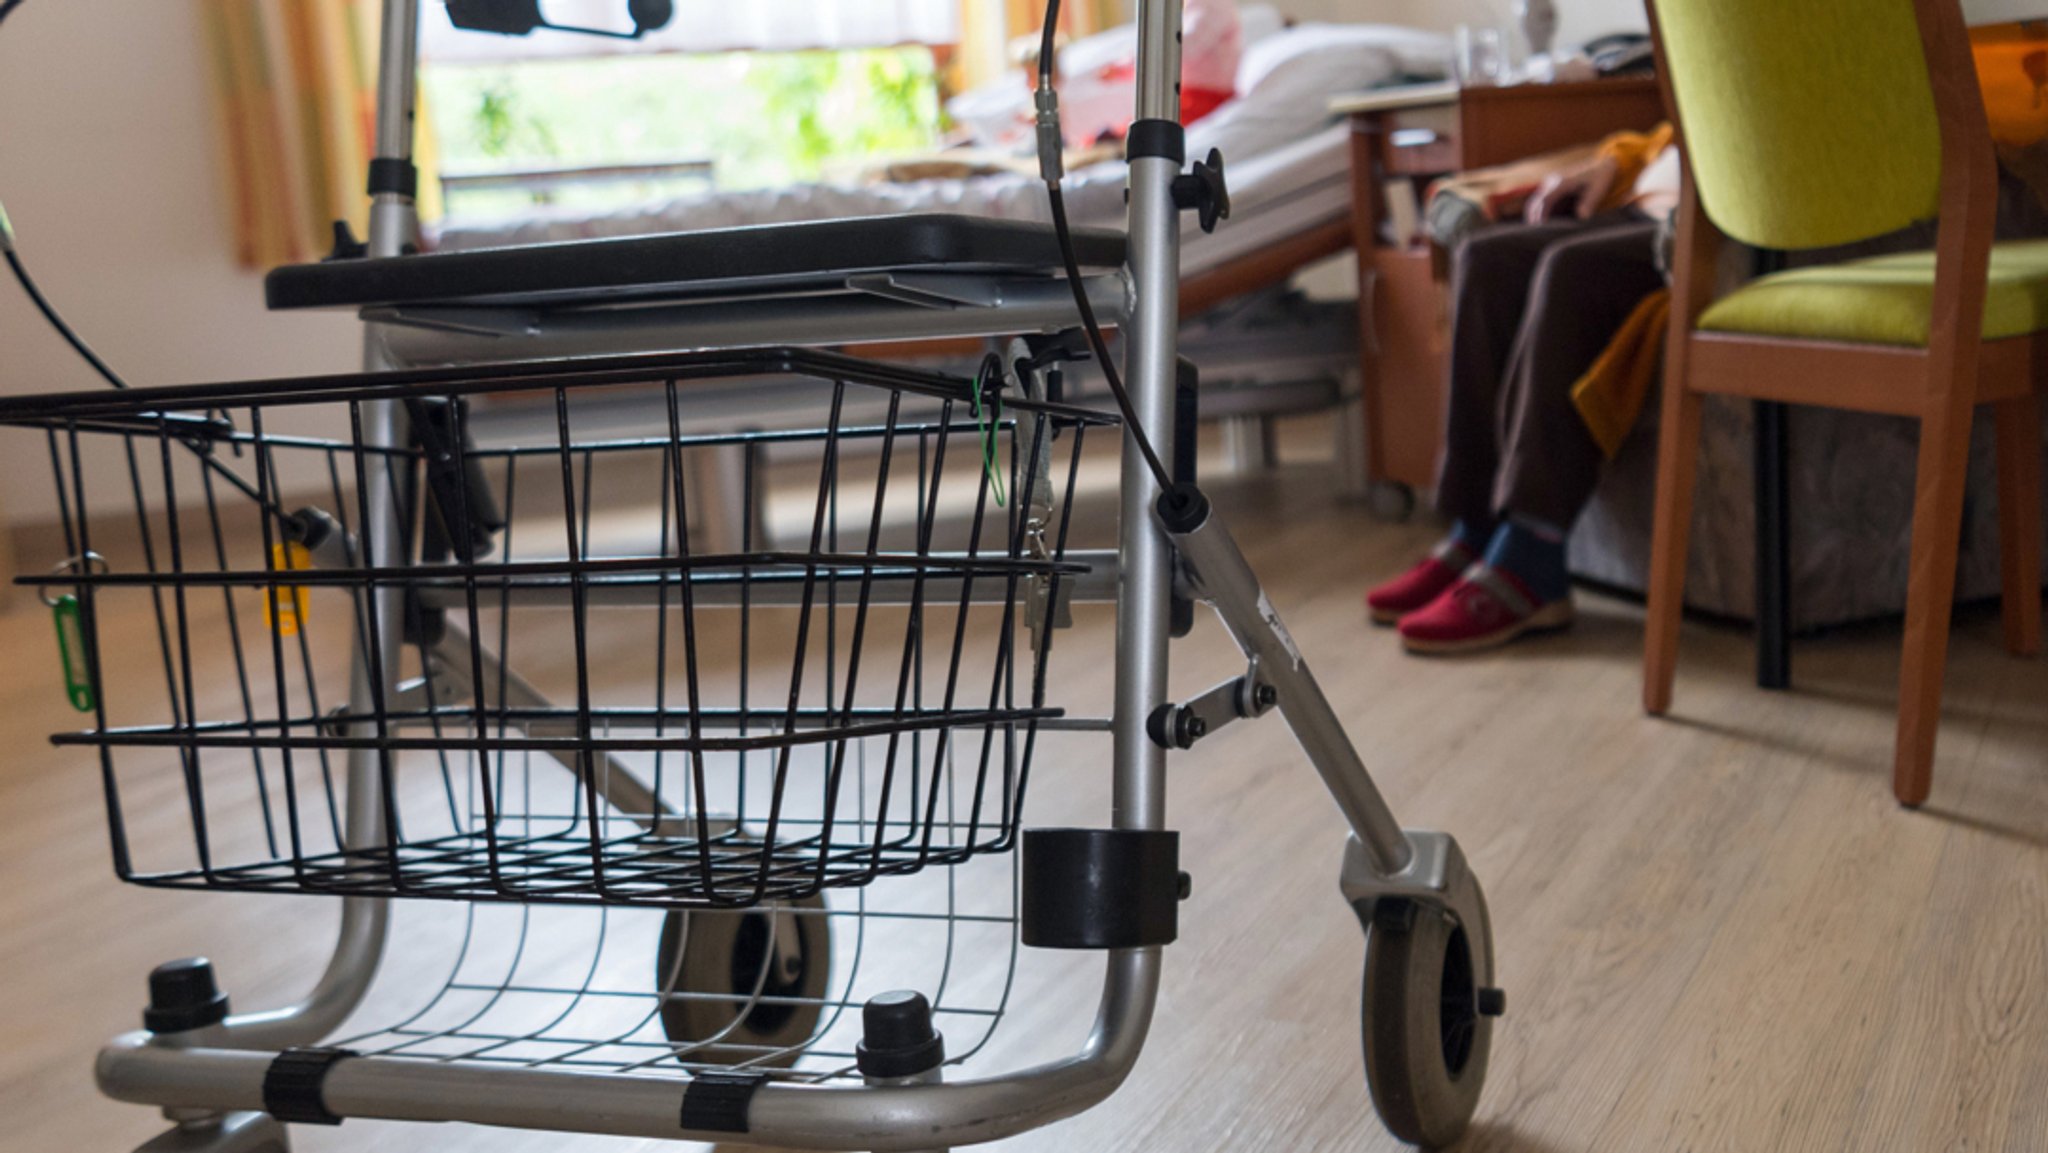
[{"x": 764, "y": 119}]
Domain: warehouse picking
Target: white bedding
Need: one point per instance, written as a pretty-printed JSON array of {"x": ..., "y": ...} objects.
[{"x": 1289, "y": 165}]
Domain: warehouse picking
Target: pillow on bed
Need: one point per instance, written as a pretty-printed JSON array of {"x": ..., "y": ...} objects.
[
  {"x": 1258, "y": 21},
  {"x": 1343, "y": 56},
  {"x": 1285, "y": 82}
]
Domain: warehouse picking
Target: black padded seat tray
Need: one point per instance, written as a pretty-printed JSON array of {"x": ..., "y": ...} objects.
[{"x": 679, "y": 265}]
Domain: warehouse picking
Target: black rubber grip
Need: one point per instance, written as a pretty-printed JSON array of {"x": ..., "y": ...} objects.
[
  {"x": 717, "y": 1102},
  {"x": 292, "y": 1085}
]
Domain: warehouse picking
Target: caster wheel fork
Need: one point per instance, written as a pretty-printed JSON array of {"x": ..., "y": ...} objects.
[{"x": 1427, "y": 998}]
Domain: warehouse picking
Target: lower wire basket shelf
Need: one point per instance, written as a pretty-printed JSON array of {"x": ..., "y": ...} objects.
[{"x": 774, "y": 990}]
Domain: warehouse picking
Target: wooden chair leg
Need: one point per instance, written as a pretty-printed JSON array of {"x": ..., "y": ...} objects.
[
  {"x": 1671, "y": 537},
  {"x": 1939, "y": 485},
  {"x": 2019, "y": 522}
]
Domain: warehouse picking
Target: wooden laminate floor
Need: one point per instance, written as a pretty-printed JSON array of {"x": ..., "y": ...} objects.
[{"x": 1717, "y": 931}]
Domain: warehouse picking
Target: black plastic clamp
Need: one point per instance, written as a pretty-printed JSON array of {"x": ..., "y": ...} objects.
[
  {"x": 1100, "y": 888},
  {"x": 1205, "y": 190},
  {"x": 1179, "y": 726},
  {"x": 391, "y": 175},
  {"x": 717, "y": 1102},
  {"x": 346, "y": 246},
  {"x": 292, "y": 1085},
  {"x": 1155, "y": 137}
]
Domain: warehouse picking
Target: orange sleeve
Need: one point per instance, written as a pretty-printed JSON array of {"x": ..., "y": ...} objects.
[{"x": 1632, "y": 152}]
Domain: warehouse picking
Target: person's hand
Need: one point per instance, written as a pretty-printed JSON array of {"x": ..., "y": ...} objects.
[{"x": 1579, "y": 190}]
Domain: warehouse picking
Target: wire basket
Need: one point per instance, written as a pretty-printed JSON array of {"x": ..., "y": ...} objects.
[
  {"x": 603, "y": 990},
  {"x": 765, "y": 662}
]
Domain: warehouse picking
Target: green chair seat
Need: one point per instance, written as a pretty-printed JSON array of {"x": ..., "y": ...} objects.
[{"x": 1883, "y": 300}]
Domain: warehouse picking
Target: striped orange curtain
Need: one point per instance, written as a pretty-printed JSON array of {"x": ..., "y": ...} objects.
[
  {"x": 295, "y": 93},
  {"x": 988, "y": 27}
]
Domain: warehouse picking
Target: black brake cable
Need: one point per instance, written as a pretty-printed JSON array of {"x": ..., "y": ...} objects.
[
  {"x": 56, "y": 321},
  {"x": 1052, "y": 166}
]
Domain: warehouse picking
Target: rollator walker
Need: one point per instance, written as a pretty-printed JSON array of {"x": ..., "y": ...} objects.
[{"x": 739, "y": 746}]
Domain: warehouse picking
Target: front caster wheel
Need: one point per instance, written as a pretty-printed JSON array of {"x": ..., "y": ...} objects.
[
  {"x": 1391, "y": 501},
  {"x": 1427, "y": 1024},
  {"x": 712, "y": 964}
]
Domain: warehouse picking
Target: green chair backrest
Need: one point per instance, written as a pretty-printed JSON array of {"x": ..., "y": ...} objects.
[{"x": 1808, "y": 122}]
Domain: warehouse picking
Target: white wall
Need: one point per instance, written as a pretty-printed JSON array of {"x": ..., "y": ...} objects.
[
  {"x": 1581, "y": 20},
  {"x": 108, "y": 167}
]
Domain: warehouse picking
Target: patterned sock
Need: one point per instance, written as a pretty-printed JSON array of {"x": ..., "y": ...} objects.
[{"x": 1534, "y": 552}]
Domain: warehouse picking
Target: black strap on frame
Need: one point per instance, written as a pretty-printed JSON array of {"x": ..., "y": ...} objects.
[
  {"x": 717, "y": 1102},
  {"x": 292, "y": 1085}
]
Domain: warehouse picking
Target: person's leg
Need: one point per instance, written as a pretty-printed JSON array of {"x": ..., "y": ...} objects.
[
  {"x": 1490, "y": 277},
  {"x": 1584, "y": 287}
]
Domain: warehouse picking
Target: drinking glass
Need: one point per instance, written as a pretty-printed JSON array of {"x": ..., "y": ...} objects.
[{"x": 1482, "y": 58}]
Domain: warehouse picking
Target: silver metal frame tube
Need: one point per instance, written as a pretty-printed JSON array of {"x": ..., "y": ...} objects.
[
  {"x": 1151, "y": 340},
  {"x": 365, "y": 921},
  {"x": 1224, "y": 578},
  {"x": 394, "y": 222},
  {"x": 895, "y": 1119},
  {"x": 140, "y": 1069}
]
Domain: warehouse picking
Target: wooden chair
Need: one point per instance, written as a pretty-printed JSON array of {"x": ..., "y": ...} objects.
[{"x": 1812, "y": 123}]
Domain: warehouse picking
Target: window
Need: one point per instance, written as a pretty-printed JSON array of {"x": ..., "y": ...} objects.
[{"x": 730, "y": 95}]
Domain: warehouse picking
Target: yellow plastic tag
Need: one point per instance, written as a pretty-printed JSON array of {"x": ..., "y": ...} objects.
[{"x": 285, "y": 607}]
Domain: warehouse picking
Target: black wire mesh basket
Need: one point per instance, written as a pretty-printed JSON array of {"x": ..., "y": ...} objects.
[{"x": 766, "y": 662}]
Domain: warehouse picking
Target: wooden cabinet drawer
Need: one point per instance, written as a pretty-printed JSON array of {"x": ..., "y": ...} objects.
[{"x": 1421, "y": 142}]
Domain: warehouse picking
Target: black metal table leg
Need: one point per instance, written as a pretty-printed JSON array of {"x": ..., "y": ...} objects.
[
  {"x": 1773, "y": 531},
  {"x": 1773, "y": 551}
]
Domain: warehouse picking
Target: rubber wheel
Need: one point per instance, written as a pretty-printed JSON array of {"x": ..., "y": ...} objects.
[
  {"x": 1426, "y": 1043},
  {"x": 724, "y": 953},
  {"x": 1392, "y": 501}
]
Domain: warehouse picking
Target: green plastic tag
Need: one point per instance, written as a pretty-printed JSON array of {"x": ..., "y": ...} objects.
[
  {"x": 71, "y": 648},
  {"x": 986, "y": 434}
]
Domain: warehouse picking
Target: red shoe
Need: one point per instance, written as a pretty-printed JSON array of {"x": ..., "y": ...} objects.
[
  {"x": 1417, "y": 587},
  {"x": 1486, "y": 607}
]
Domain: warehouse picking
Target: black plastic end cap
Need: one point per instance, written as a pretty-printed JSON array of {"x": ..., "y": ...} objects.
[
  {"x": 650, "y": 15},
  {"x": 1183, "y": 508},
  {"x": 1100, "y": 888},
  {"x": 897, "y": 1037},
  {"x": 1492, "y": 1002},
  {"x": 184, "y": 995}
]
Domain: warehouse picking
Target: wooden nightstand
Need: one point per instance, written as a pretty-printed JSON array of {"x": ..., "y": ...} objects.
[{"x": 1418, "y": 135}]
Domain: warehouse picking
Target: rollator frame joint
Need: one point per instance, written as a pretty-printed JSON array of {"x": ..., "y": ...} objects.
[{"x": 1180, "y": 726}]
